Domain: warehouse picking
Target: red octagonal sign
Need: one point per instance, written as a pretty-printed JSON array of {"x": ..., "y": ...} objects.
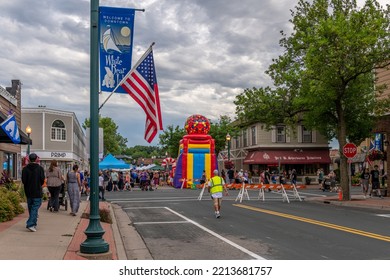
[{"x": 349, "y": 150}]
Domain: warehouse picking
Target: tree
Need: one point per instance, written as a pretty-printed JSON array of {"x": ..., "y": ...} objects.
[
  {"x": 220, "y": 129},
  {"x": 139, "y": 151},
  {"x": 170, "y": 139},
  {"x": 324, "y": 79},
  {"x": 114, "y": 143}
]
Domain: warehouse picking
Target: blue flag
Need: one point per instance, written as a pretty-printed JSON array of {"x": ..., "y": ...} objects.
[
  {"x": 116, "y": 45},
  {"x": 10, "y": 128}
]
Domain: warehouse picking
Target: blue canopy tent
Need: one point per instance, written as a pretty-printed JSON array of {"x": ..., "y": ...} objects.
[{"x": 111, "y": 162}]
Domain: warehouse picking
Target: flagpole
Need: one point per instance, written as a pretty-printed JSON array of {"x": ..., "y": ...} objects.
[{"x": 127, "y": 75}]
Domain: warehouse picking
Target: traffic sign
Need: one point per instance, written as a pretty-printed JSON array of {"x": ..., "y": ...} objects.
[{"x": 349, "y": 150}]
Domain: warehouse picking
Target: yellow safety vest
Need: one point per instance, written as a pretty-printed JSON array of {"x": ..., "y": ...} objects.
[{"x": 216, "y": 185}]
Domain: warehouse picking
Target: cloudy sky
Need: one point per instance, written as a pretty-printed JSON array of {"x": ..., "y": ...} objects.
[{"x": 206, "y": 52}]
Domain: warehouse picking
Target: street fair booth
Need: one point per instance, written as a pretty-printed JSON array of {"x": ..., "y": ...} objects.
[
  {"x": 111, "y": 162},
  {"x": 196, "y": 153}
]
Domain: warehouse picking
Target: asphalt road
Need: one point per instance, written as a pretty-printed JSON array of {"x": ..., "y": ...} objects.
[{"x": 175, "y": 224}]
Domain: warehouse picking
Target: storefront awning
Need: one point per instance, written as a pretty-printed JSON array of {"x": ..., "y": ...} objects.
[
  {"x": 288, "y": 157},
  {"x": 24, "y": 140}
]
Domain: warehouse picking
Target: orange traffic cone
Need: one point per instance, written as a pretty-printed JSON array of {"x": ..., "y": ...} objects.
[{"x": 340, "y": 195}]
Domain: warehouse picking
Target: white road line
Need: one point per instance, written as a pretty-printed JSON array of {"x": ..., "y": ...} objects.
[
  {"x": 383, "y": 215},
  {"x": 155, "y": 198},
  {"x": 253, "y": 255},
  {"x": 146, "y": 207},
  {"x": 151, "y": 201},
  {"x": 157, "y": 223}
]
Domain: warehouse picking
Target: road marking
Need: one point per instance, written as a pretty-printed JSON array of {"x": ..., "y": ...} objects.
[
  {"x": 157, "y": 223},
  {"x": 315, "y": 222},
  {"x": 150, "y": 201},
  {"x": 146, "y": 207},
  {"x": 383, "y": 215},
  {"x": 152, "y": 198},
  {"x": 250, "y": 253}
]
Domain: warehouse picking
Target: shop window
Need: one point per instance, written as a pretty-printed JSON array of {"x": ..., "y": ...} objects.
[
  {"x": 58, "y": 131},
  {"x": 9, "y": 167}
]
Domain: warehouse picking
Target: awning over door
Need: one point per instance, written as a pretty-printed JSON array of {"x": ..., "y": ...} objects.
[{"x": 287, "y": 157}]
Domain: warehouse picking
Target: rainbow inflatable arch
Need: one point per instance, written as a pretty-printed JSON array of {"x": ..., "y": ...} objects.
[{"x": 196, "y": 153}]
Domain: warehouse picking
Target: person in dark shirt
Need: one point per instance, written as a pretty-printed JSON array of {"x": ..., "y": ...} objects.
[
  {"x": 33, "y": 177},
  {"x": 230, "y": 173},
  {"x": 375, "y": 183}
]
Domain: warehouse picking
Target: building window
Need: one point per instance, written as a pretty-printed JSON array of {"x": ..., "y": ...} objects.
[
  {"x": 281, "y": 134},
  {"x": 58, "y": 131},
  {"x": 245, "y": 138},
  {"x": 306, "y": 135},
  {"x": 253, "y": 134}
]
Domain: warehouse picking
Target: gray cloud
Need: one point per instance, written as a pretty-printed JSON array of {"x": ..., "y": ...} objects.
[{"x": 206, "y": 52}]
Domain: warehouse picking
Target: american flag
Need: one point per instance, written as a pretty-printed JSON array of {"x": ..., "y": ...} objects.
[{"x": 141, "y": 84}]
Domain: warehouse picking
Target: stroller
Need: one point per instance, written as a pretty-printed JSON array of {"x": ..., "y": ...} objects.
[
  {"x": 63, "y": 198},
  {"x": 145, "y": 185},
  {"x": 329, "y": 185},
  {"x": 326, "y": 184}
]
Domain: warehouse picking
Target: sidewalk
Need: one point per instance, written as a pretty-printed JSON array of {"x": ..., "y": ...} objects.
[
  {"x": 59, "y": 235},
  {"x": 356, "y": 200}
]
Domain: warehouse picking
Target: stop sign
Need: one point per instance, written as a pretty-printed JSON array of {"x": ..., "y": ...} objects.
[{"x": 349, "y": 150}]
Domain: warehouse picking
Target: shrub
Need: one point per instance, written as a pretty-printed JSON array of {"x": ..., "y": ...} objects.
[
  {"x": 7, "y": 182},
  {"x": 356, "y": 179},
  {"x": 105, "y": 216},
  {"x": 15, "y": 199},
  {"x": 10, "y": 204},
  {"x": 6, "y": 209}
]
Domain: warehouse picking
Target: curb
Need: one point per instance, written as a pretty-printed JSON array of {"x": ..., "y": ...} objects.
[
  {"x": 351, "y": 203},
  {"x": 134, "y": 245}
]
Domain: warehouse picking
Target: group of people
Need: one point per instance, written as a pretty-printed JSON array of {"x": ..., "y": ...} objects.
[
  {"x": 372, "y": 177},
  {"x": 34, "y": 177},
  {"x": 266, "y": 176}
]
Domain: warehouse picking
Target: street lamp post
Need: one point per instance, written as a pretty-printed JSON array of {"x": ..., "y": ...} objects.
[
  {"x": 228, "y": 142},
  {"x": 94, "y": 244},
  {"x": 28, "y": 131}
]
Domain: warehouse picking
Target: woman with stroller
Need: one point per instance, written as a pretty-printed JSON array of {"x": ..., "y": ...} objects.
[{"x": 54, "y": 182}]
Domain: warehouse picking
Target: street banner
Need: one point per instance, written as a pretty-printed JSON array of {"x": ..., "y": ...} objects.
[
  {"x": 378, "y": 141},
  {"x": 116, "y": 28}
]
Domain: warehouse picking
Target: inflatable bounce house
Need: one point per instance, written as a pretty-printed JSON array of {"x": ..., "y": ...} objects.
[{"x": 196, "y": 153}]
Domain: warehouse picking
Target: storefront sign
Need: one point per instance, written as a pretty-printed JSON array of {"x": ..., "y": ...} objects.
[{"x": 58, "y": 155}]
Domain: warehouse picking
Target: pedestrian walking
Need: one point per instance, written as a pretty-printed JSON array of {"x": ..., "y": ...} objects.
[
  {"x": 375, "y": 182},
  {"x": 101, "y": 186},
  {"x": 203, "y": 178},
  {"x": 33, "y": 177},
  {"x": 216, "y": 188},
  {"x": 54, "y": 181},
  {"x": 230, "y": 174},
  {"x": 365, "y": 181},
  {"x": 74, "y": 189}
]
